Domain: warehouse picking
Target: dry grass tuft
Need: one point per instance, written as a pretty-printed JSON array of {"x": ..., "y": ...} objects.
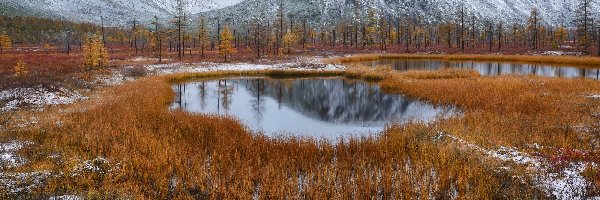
[
  {"x": 368, "y": 73},
  {"x": 441, "y": 74},
  {"x": 511, "y": 111}
]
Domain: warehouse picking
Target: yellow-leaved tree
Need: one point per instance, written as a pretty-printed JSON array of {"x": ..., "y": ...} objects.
[
  {"x": 4, "y": 42},
  {"x": 289, "y": 40},
  {"x": 21, "y": 69},
  {"x": 226, "y": 48},
  {"x": 561, "y": 35},
  {"x": 95, "y": 55}
]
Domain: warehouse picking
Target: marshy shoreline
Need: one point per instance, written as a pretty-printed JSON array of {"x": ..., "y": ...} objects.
[{"x": 127, "y": 143}]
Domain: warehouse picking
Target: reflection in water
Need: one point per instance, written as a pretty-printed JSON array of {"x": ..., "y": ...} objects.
[
  {"x": 326, "y": 108},
  {"x": 490, "y": 68}
]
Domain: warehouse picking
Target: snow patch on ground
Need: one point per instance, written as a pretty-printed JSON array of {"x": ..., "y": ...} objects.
[
  {"x": 97, "y": 165},
  {"x": 25, "y": 183},
  {"x": 19, "y": 182},
  {"x": 594, "y": 96},
  {"x": 568, "y": 183},
  {"x": 114, "y": 79},
  {"x": 144, "y": 59},
  {"x": 8, "y": 151},
  {"x": 65, "y": 197},
  {"x": 37, "y": 96},
  {"x": 300, "y": 65},
  {"x": 559, "y": 53}
]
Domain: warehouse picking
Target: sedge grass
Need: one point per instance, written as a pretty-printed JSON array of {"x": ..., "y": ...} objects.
[{"x": 155, "y": 153}]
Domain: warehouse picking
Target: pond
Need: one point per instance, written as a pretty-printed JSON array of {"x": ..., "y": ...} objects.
[
  {"x": 489, "y": 68},
  {"x": 321, "y": 108}
]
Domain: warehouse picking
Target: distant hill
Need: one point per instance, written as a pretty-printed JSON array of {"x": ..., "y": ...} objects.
[
  {"x": 318, "y": 12},
  {"x": 325, "y": 12},
  {"x": 115, "y": 12}
]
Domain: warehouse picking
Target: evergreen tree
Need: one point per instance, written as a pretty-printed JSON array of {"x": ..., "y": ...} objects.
[
  {"x": 203, "y": 37},
  {"x": 533, "y": 27},
  {"x": 461, "y": 16},
  {"x": 226, "y": 47},
  {"x": 280, "y": 27},
  {"x": 383, "y": 33},
  {"x": 598, "y": 39},
  {"x": 444, "y": 31},
  {"x": 371, "y": 29},
  {"x": 158, "y": 37},
  {"x": 180, "y": 23},
  {"x": 582, "y": 20}
]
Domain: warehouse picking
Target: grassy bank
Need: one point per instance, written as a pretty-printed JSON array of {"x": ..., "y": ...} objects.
[
  {"x": 579, "y": 61},
  {"x": 153, "y": 153}
]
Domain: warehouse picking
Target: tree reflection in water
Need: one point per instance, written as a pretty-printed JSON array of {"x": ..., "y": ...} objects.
[
  {"x": 490, "y": 68},
  {"x": 317, "y": 107}
]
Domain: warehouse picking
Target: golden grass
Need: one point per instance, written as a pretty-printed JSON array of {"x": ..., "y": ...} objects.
[
  {"x": 156, "y": 153},
  {"x": 513, "y": 111},
  {"x": 579, "y": 61},
  {"x": 368, "y": 73},
  {"x": 440, "y": 74}
]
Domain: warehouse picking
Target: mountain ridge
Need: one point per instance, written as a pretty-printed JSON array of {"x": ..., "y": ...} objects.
[{"x": 318, "y": 12}]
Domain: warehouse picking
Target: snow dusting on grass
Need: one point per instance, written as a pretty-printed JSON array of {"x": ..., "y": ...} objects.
[
  {"x": 17, "y": 182},
  {"x": 567, "y": 183},
  {"x": 8, "y": 151},
  {"x": 594, "y": 96},
  {"x": 37, "y": 96},
  {"x": 114, "y": 79},
  {"x": 22, "y": 183},
  {"x": 299, "y": 65},
  {"x": 65, "y": 197},
  {"x": 559, "y": 53}
]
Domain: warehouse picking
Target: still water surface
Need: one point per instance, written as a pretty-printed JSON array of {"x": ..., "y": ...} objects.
[
  {"x": 489, "y": 68},
  {"x": 317, "y": 108}
]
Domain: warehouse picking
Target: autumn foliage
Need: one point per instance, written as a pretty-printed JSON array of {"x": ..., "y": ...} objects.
[
  {"x": 5, "y": 42},
  {"x": 95, "y": 55},
  {"x": 21, "y": 68},
  {"x": 226, "y": 47}
]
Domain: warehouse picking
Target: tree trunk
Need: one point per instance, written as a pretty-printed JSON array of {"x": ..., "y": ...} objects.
[{"x": 598, "y": 39}]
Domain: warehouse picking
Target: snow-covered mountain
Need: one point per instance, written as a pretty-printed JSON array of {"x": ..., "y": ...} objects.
[
  {"x": 115, "y": 12},
  {"x": 321, "y": 12},
  {"x": 325, "y": 12}
]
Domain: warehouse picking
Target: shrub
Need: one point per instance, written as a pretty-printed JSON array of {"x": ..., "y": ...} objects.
[{"x": 21, "y": 69}]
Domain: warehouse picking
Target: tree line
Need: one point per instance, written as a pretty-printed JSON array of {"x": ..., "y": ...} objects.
[{"x": 283, "y": 34}]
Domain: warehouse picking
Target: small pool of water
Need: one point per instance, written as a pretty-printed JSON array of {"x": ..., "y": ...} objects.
[
  {"x": 489, "y": 68},
  {"x": 320, "y": 108}
]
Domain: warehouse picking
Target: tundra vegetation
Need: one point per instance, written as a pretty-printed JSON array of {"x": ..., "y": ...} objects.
[
  {"x": 125, "y": 142},
  {"x": 136, "y": 147}
]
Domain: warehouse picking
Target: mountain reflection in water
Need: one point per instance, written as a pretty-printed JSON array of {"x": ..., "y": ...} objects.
[{"x": 319, "y": 108}]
